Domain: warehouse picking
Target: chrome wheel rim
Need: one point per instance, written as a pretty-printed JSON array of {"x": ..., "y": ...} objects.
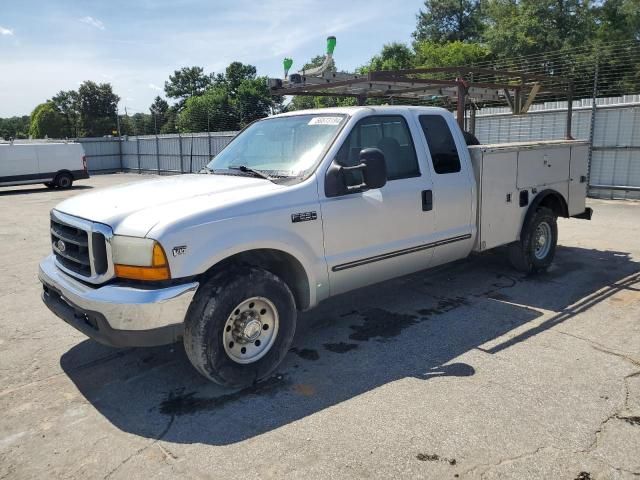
[
  {"x": 250, "y": 330},
  {"x": 542, "y": 240}
]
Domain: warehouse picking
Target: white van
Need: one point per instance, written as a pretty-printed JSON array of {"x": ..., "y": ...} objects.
[{"x": 54, "y": 164}]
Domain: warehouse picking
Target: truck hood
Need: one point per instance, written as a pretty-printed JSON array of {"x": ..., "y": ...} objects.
[{"x": 134, "y": 208}]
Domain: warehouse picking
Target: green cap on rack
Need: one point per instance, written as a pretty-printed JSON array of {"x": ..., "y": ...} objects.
[
  {"x": 331, "y": 45},
  {"x": 287, "y": 62}
]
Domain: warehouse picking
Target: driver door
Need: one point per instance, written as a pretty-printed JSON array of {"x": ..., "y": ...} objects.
[{"x": 377, "y": 234}]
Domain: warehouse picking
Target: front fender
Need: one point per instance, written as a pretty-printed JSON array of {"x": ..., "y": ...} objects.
[{"x": 207, "y": 245}]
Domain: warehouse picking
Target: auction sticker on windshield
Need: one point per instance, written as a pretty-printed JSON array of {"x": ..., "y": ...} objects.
[{"x": 325, "y": 121}]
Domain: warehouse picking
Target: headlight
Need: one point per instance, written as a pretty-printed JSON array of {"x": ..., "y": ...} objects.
[{"x": 139, "y": 258}]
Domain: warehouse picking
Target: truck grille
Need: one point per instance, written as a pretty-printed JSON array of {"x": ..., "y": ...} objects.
[
  {"x": 80, "y": 247},
  {"x": 71, "y": 247}
]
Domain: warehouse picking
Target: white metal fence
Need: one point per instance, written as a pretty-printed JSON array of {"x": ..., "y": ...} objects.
[
  {"x": 612, "y": 127},
  {"x": 162, "y": 154}
]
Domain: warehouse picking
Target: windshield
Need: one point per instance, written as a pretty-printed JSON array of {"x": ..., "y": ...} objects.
[{"x": 280, "y": 146}]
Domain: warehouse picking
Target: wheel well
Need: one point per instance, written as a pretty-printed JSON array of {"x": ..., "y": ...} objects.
[
  {"x": 554, "y": 202},
  {"x": 60, "y": 172},
  {"x": 280, "y": 263}
]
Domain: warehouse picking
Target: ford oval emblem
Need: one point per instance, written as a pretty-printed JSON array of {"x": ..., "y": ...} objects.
[{"x": 61, "y": 246}]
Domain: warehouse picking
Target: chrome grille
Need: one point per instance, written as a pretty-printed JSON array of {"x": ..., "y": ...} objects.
[
  {"x": 71, "y": 247},
  {"x": 82, "y": 248}
]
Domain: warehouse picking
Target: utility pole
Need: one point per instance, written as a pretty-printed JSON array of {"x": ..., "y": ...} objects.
[
  {"x": 118, "y": 121},
  {"x": 119, "y": 137}
]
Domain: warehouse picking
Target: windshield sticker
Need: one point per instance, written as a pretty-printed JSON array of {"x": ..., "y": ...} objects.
[{"x": 325, "y": 121}]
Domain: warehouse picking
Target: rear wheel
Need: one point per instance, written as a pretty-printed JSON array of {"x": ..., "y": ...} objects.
[
  {"x": 537, "y": 245},
  {"x": 240, "y": 326},
  {"x": 63, "y": 180}
]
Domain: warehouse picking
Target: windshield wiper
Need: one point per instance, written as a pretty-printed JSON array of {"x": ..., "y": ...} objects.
[{"x": 256, "y": 173}]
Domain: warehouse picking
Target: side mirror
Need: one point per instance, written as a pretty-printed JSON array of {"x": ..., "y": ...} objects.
[{"x": 373, "y": 168}]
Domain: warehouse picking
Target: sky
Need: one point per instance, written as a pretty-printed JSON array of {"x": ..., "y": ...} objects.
[{"x": 52, "y": 45}]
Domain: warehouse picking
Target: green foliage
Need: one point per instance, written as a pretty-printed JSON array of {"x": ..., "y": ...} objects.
[
  {"x": 67, "y": 104},
  {"x": 449, "y": 20},
  {"x": 433, "y": 54},
  {"x": 526, "y": 27},
  {"x": 186, "y": 83},
  {"x": 14, "y": 127},
  {"x": 394, "y": 56},
  {"x": 97, "y": 107},
  {"x": 235, "y": 99},
  {"x": 211, "y": 111},
  {"x": 159, "y": 110},
  {"x": 46, "y": 121},
  {"x": 618, "y": 20}
]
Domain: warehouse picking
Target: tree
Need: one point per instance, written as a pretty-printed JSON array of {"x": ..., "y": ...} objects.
[
  {"x": 450, "y": 20},
  {"x": 252, "y": 100},
  {"x": 211, "y": 111},
  {"x": 525, "y": 27},
  {"x": 67, "y": 104},
  {"x": 235, "y": 74},
  {"x": 97, "y": 106},
  {"x": 432, "y": 54},
  {"x": 159, "y": 110},
  {"x": 46, "y": 121},
  {"x": 142, "y": 124},
  {"x": 394, "y": 56},
  {"x": 170, "y": 125},
  {"x": 186, "y": 83},
  {"x": 14, "y": 127}
]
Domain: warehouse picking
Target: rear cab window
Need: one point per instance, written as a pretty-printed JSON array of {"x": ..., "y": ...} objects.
[{"x": 442, "y": 146}]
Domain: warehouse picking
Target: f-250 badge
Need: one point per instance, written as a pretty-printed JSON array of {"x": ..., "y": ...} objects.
[{"x": 181, "y": 250}]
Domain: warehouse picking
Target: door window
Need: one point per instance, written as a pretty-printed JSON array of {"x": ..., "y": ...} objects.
[
  {"x": 444, "y": 153},
  {"x": 390, "y": 134}
]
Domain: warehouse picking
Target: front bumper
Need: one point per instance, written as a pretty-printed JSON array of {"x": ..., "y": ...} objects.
[{"x": 116, "y": 315}]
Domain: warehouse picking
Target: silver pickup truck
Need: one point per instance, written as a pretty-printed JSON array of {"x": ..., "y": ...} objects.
[{"x": 297, "y": 208}]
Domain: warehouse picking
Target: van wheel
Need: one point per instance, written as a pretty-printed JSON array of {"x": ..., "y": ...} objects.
[
  {"x": 63, "y": 180},
  {"x": 537, "y": 245},
  {"x": 239, "y": 326}
]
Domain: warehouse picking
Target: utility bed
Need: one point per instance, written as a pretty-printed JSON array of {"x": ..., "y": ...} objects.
[{"x": 509, "y": 175}]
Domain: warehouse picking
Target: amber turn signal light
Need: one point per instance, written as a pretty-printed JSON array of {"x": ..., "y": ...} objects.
[{"x": 159, "y": 269}]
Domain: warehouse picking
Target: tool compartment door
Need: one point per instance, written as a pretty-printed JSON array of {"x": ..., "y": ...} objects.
[
  {"x": 543, "y": 166},
  {"x": 498, "y": 209},
  {"x": 578, "y": 181}
]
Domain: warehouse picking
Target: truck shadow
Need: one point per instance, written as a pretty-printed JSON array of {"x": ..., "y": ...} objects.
[{"x": 414, "y": 327}]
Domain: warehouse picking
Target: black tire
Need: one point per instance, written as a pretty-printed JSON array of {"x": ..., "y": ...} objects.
[
  {"x": 63, "y": 180},
  {"x": 524, "y": 254},
  {"x": 49, "y": 185},
  {"x": 214, "y": 304}
]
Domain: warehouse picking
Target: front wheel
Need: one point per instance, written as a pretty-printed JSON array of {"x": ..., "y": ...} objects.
[
  {"x": 240, "y": 326},
  {"x": 537, "y": 245}
]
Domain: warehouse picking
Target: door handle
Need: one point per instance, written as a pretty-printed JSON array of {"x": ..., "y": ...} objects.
[{"x": 427, "y": 200}]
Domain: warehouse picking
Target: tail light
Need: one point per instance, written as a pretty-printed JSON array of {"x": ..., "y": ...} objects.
[{"x": 84, "y": 162}]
